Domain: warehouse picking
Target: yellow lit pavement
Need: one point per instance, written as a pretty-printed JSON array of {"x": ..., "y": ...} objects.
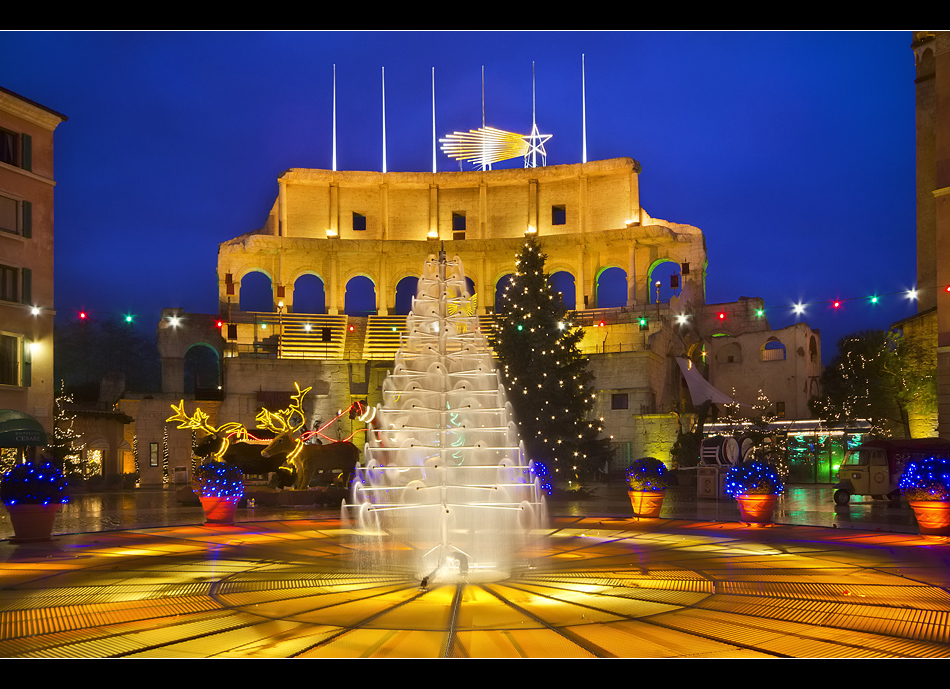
[{"x": 593, "y": 588}]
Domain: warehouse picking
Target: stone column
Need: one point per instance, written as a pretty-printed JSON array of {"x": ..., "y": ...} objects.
[
  {"x": 382, "y": 289},
  {"x": 483, "y": 229},
  {"x": 383, "y": 211},
  {"x": 533, "y": 205},
  {"x": 433, "y": 210},
  {"x": 582, "y": 199},
  {"x": 333, "y": 306},
  {"x": 333, "y": 222},
  {"x": 581, "y": 290},
  {"x": 632, "y": 275}
]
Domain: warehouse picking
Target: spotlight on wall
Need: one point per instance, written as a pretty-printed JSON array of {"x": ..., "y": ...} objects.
[
  {"x": 332, "y": 233},
  {"x": 531, "y": 230}
]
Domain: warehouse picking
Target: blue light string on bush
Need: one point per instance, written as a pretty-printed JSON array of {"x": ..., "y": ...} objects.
[{"x": 31, "y": 484}]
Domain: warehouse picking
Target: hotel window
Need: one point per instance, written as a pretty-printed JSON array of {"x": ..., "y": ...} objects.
[
  {"x": 458, "y": 225},
  {"x": 16, "y": 149},
  {"x": 8, "y": 284},
  {"x": 16, "y": 217},
  {"x": 16, "y": 285},
  {"x": 619, "y": 400},
  {"x": 558, "y": 215},
  {"x": 9, "y": 360},
  {"x": 359, "y": 222}
]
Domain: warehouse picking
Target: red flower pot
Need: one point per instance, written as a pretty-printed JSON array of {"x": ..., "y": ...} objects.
[
  {"x": 32, "y": 522},
  {"x": 219, "y": 510},
  {"x": 933, "y": 516},
  {"x": 756, "y": 508},
  {"x": 646, "y": 504}
]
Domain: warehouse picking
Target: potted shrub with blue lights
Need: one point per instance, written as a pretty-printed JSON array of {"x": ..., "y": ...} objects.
[
  {"x": 926, "y": 485},
  {"x": 33, "y": 493},
  {"x": 755, "y": 485},
  {"x": 648, "y": 480},
  {"x": 220, "y": 487}
]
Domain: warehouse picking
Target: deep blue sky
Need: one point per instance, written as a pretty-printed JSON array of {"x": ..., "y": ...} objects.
[{"x": 793, "y": 152}]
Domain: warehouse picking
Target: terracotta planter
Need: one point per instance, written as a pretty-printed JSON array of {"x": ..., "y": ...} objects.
[
  {"x": 32, "y": 522},
  {"x": 219, "y": 510},
  {"x": 646, "y": 504},
  {"x": 756, "y": 509},
  {"x": 933, "y": 516}
]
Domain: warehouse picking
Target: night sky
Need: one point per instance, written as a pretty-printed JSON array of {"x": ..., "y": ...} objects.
[{"x": 792, "y": 152}]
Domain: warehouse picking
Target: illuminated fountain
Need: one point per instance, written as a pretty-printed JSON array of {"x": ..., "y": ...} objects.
[{"x": 444, "y": 471}]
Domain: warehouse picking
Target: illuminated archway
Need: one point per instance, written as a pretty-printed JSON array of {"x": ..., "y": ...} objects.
[
  {"x": 500, "y": 288},
  {"x": 257, "y": 292},
  {"x": 663, "y": 271},
  {"x": 611, "y": 288},
  {"x": 360, "y": 299},
  {"x": 563, "y": 282},
  {"x": 202, "y": 371},
  {"x": 309, "y": 295},
  {"x": 405, "y": 290}
]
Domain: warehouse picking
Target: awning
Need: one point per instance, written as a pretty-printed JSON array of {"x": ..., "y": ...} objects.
[
  {"x": 19, "y": 430},
  {"x": 700, "y": 390}
]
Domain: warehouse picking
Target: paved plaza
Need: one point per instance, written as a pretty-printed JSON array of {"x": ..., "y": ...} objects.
[{"x": 300, "y": 583}]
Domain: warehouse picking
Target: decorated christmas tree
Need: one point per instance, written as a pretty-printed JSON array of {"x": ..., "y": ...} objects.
[
  {"x": 65, "y": 445},
  {"x": 547, "y": 378}
]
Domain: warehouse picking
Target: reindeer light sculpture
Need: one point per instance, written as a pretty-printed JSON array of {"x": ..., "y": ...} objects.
[
  {"x": 199, "y": 422},
  {"x": 306, "y": 459}
]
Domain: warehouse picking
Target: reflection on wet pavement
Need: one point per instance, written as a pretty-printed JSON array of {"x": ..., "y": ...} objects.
[{"x": 803, "y": 505}]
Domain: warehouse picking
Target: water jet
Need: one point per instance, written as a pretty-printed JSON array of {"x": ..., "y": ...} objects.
[{"x": 444, "y": 473}]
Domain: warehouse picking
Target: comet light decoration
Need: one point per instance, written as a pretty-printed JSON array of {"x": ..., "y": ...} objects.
[{"x": 485, "y": 146}]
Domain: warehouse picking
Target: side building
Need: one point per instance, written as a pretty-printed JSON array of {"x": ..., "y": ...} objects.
[{"x": 26, "y": 256}]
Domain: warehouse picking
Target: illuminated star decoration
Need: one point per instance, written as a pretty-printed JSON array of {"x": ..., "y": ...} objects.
[
  {"x": 535, "y": 145},
  {"x": 485, "y": 146}
]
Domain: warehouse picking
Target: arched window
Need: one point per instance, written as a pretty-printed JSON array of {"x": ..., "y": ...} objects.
[
  {"x": 730, "y": 354},
  {"x": 773, "y": 350}
]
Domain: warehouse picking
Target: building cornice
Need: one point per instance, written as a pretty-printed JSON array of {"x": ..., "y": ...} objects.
[{"x": 26, "y": 109}]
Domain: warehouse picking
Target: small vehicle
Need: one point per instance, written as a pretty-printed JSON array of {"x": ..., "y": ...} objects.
[{"x": 875, "y": 467}]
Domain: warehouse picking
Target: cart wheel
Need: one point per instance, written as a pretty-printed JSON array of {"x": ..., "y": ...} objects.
[
  {"x": 842, "y": 497},
  {"x": 894, "y": 497}
]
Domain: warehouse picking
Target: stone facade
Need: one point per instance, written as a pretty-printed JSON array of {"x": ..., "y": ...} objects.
[
  {"x": 26, "y": 256},
  {"x": 311, "y": 230},
  {"x": 341, "y": 225}
]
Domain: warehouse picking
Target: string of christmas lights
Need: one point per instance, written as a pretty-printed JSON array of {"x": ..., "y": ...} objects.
[{"x": 797, "y": 307}]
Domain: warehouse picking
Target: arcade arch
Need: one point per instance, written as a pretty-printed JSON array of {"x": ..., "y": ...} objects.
[
  {"x": 202, "y": 367},
  {"x": 772, "y": 350},
  {"x": 563, "y": 282},
  {"x": 611, "y": 288},
  {"x": 360, "y": 297},
  {"x": 500, "y": 288},
  {"x": 662, "y": 271},
  {"x": 257, "y": 292},
  {"x": 309, "y": 295},
  {"x": 406, "y": 289}
]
